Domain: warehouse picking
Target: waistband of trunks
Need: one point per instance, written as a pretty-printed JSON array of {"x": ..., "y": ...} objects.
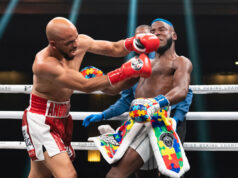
[{"x": 49, "y": 108}]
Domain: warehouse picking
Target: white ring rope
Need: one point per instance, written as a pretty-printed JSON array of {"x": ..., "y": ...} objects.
[
  {"x": 197, "y": 89},
  {"x": 81, "y": 115},
  {"x": 188, "y": 146}
]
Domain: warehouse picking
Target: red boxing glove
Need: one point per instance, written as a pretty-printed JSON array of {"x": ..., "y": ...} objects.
[
  {"x": 135, "y": 67},
  {"x": 142, "y": 43}
]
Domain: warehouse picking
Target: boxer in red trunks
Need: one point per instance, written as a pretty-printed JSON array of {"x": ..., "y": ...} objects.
[{"x": 47, "y": 125}]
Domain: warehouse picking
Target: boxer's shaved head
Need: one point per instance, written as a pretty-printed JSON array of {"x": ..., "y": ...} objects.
[
  {"x": 58, "y": 28},
  {"x": 62, "y": 36},
  {"x": 142, "y": 29}
]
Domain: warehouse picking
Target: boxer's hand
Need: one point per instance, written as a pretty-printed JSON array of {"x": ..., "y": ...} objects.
[
  {"x": 92, "y": 118},
  {"x": 142, "y": 109},
  {"x": 135, "y": 67},
  {"x": 142, "y": 43}
]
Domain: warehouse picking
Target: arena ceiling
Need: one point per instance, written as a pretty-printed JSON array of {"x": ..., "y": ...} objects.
[
  {"x": 202, "y": 7},
  {"x": 215, "y": 28}
]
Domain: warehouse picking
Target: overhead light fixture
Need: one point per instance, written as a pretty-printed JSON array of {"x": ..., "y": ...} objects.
[
  {"x": 75, "y": 9},
  {"x": 6, "y": 16},
  {"x": 236, "y": 62}
]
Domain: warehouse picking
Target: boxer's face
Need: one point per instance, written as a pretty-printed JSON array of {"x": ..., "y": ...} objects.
[
  {"x": 68, "y": 44},
  {"x": 164, "y": 32}
]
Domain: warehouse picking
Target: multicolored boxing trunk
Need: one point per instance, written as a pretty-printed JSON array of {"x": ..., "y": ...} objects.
[{"x": 166, "y": 145}]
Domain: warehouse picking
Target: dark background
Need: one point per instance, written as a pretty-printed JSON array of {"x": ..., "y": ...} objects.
[{"x": 216, "y": 32}]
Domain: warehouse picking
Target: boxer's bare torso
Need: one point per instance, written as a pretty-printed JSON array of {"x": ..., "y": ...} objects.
[
  {"x": 163, "y": 77},
  {"x": 47, "y": 87},
  {"x": 45, "y": 84}
]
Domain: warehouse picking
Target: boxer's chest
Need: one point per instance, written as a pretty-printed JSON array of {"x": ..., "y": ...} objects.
[{"x": 160, "y": 82}]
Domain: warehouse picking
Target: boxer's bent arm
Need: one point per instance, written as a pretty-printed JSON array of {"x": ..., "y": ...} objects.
[
  {"x": 68, "y": 78},
  {"x": 117, "y": 88},
  {"x": 185, "y": 104},
  {"x": 182, "y": 108},
  {"x": 106, "y": 48},
  {"x": 181, "y": 80}
]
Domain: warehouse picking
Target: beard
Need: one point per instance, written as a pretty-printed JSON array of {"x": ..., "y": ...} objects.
[
  {"x": 66, "y": 56},
  {"x": 164, "y": 48}
]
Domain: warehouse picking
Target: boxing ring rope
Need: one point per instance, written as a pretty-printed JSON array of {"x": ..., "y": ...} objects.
[
  {"x": 197, "y": 89},
  {"x": 190, "y": 116},
  {"x": 189, "y": 146}
]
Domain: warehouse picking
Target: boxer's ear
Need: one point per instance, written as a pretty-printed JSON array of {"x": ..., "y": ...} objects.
[
  {"x": 52, "y": 44},
  {"x": 174, "y": 36}
]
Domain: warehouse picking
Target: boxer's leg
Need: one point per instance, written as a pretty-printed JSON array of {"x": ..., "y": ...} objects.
[
  {"x": 60, "y": 165},
  {"x": 130, "y": 162},
  {"x": 39, "y": 170},
  {"x": 137, "y": 154}
]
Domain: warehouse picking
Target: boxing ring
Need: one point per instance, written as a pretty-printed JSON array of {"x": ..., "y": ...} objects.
[{"x": 188, "y": 146}]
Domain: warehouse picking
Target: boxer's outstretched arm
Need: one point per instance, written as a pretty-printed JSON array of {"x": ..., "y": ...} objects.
[
  {"x": 123, "y": 85},
  {"x": 181, "y": 80},
  {"x": 50, "y": 69},
  {"x": 102, "y": 47}
]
